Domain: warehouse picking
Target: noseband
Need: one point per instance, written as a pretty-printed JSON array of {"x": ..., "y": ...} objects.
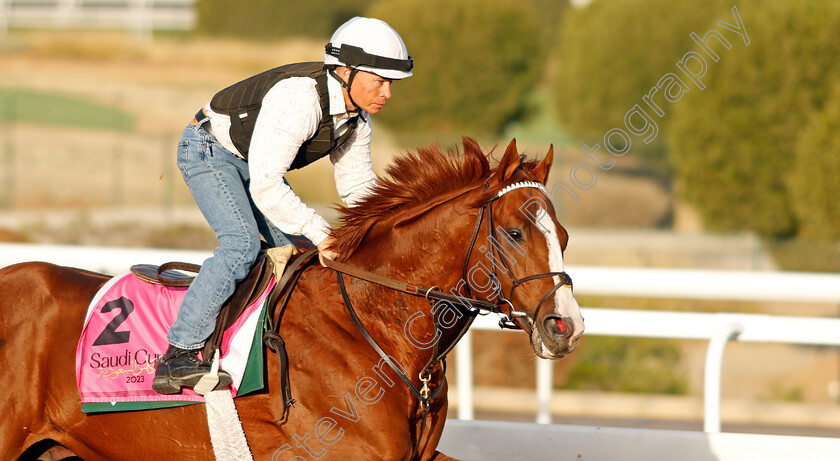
[{"x": 511, "y": 318}]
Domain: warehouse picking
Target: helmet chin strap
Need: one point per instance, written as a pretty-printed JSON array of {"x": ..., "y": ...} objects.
[{"x": 347, "y": 84}]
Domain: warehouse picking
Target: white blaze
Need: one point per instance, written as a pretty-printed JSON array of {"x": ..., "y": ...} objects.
[
  {"x": 555, "y": 253},
  {"x": 565, "y": 304}
]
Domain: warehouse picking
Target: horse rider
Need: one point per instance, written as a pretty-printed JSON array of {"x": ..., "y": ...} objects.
[{"x": 236, "y": 151}]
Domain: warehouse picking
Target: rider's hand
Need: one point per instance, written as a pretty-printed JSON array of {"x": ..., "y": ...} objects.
[{"x": 324, "y": 250}]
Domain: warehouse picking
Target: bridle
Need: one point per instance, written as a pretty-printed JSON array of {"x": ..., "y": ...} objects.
[
  {"x": 471, "y": 306},
  {"x": 512, "y": 319}
]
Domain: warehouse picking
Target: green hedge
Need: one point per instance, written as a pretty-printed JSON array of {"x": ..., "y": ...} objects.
[
  {"x": 476, "y": 59},
  {"x": 34, "y": 106},
  {"x": 733, "y": 144},
  {"x": 629, "y": 365},
  {"x": 611, "y": 53},
  {"x": 474, "y": 62},
  {"x": 815, "y": 181},
  {"x": 273, "y": 19}
]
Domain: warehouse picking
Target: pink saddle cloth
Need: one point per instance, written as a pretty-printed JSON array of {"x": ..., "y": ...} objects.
[{"x": 125, "y": 332}]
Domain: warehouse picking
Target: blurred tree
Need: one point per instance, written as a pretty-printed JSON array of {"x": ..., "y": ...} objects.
[
  {"x": 815, "y": 182},
  {"x": 475, "y": 60},
  {"x": 273, "y": 19},
  {"x": 550, "y": 16},
  {"x": 628, "y": 365},
  {"x": 611, "y": 53},
  {"x": 733, "y": 143}
]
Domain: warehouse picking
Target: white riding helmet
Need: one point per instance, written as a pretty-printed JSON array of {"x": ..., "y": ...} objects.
[{"x": 370, "y": 45}]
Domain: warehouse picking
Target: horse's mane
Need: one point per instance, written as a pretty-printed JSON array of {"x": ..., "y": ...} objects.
[{"x": 414, "y": 179}]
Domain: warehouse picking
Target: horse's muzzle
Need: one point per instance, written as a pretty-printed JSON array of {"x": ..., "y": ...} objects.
[{"x": 554, "y": 337}]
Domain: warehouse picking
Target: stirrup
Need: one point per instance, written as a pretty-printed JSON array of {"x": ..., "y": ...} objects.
[{"x": 208, "y": 382}]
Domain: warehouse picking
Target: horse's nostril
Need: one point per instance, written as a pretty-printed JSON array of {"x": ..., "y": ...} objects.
[
  {"x": 557, "y": 326},
  {"x": 562, "y": 326}
]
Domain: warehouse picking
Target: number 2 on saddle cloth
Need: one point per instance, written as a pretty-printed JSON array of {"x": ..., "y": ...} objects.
[{"x": 125, "y": 333}]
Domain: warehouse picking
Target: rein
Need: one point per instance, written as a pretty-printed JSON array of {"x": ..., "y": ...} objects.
[
  {"x": 423, "y": 395},
  {"x": 430, "y": 294},
  {"x": 511, "y": 318},
  {"x": 472, "y": 306}
]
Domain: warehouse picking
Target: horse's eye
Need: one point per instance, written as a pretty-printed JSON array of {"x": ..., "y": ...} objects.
[{"x": 515, "y": 234}]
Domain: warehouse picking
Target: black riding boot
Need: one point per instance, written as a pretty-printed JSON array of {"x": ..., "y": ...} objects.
[{"x": 181, "y": 368}]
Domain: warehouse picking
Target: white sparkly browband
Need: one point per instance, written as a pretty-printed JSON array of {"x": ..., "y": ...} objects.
[{"x": 521, "y": 185}]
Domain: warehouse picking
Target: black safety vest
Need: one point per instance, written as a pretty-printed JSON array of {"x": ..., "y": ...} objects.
[{"x": 242, "y": 102}]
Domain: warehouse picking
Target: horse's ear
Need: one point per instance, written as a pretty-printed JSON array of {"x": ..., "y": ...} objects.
[
  {"x": 544, "y": 167},
  {"x": 509, "y": 163}
]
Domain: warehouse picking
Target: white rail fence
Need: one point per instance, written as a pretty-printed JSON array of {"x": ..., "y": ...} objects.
[
  {"x": 718, "y": 329},
  {"x": 138, "y": 16}
]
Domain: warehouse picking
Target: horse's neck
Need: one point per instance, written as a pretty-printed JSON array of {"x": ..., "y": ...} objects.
[{"x": 430, "y": 254}]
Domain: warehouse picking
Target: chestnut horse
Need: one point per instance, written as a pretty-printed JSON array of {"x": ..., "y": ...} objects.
[{"x": 443, "y": 220}]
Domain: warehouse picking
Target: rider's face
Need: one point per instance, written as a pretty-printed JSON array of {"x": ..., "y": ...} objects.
[{"x": 368, "y": 90}]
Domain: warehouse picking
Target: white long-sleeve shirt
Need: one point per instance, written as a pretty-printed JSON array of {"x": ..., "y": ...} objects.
[{"x": 290, "y": 114}]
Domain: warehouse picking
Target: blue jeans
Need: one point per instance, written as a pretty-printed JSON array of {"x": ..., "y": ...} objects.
[{"x": 218, "y": 180}]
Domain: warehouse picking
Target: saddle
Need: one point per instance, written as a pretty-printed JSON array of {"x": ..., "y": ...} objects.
[{"x": 271, "y": 261}]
